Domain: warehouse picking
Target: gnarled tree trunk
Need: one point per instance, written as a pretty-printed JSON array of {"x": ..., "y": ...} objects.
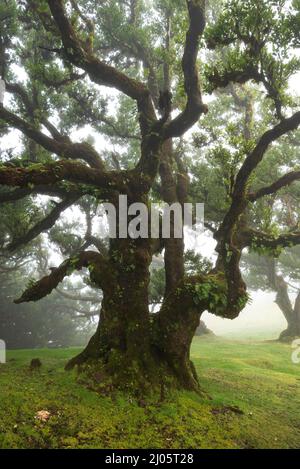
[
  {"x": 128, "y": 344},
  {"x": 291, "y": 312}
]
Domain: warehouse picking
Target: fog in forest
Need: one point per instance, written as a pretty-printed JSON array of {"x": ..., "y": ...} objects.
[{"x": 261, "y": 319}]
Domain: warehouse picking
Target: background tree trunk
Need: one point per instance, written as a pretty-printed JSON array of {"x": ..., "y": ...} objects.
[
  {"x": 290, "y": 312},
  {"x": 202, "y": 329}
]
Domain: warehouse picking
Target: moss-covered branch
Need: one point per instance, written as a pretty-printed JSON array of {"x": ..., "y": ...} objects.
[
  {"x": 284, "y": 181},
  {"x": 63, "y": 148},
  {"x": 98, "y": 71},
  {"x": 272, "y": 244},
  {"x": 47, "y": 284},
  {"x": 52, "y": 173},
  {"x": 194, "y": 106},
  {"x": 255, "y": 157},
  {"x": 239, "y": 196}
]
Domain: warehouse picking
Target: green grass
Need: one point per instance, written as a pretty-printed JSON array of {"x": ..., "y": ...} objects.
[{"x": 253, "y": 401}]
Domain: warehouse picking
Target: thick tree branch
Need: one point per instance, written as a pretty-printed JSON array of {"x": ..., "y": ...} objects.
[
  {"x": 284, "y": 181},
  {"x": 64, "y": 149},
  {"x": 194, "y": 106},
  {"x": 51, "y": 173},
  {"x": 98, "y": 71},
  {"x": 255, "y": 157},
  {"x": 47, "y": 284},
  {"x": 263, "y": 240},
  {"x": 239, "y": 196},
  {"x": 229, "y": 254}
]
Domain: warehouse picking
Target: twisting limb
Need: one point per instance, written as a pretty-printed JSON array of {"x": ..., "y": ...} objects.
[
  {"x": 51, "y": 173},
  {"x": 166, "y": 128},
  {"x": 229, "y": 253},
  {"x": 284, "y": 181},
  {"x": 255, "y": 157},
  {"x": 47, "y": 284},
  {"x": 263, "y": 240},
  {"x": 43, "y": 225},
  {"x": 98, "y": 71},
  {"x": 64, "y": 149},
  {"x": 239, "y": 196},
  {"x": 194, "y": 106}
]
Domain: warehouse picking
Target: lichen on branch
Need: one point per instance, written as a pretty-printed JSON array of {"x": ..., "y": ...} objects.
[{"x": 47, "y": 284}]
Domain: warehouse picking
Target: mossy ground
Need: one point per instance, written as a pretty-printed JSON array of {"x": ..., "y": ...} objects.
[{"x": 254, "y": 402}]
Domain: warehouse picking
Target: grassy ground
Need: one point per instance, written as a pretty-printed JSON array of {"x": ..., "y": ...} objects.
[{"x": 254, "y": 402}]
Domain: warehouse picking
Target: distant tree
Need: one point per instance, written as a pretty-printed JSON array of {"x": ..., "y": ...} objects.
[
  {"x": 202, "y": 329},
  {"x": 149, "y": 55},
  {"x": 49, "y": 324},
  {"x": 280, "y": 275},
  {"x": 64, "y": 319}
]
